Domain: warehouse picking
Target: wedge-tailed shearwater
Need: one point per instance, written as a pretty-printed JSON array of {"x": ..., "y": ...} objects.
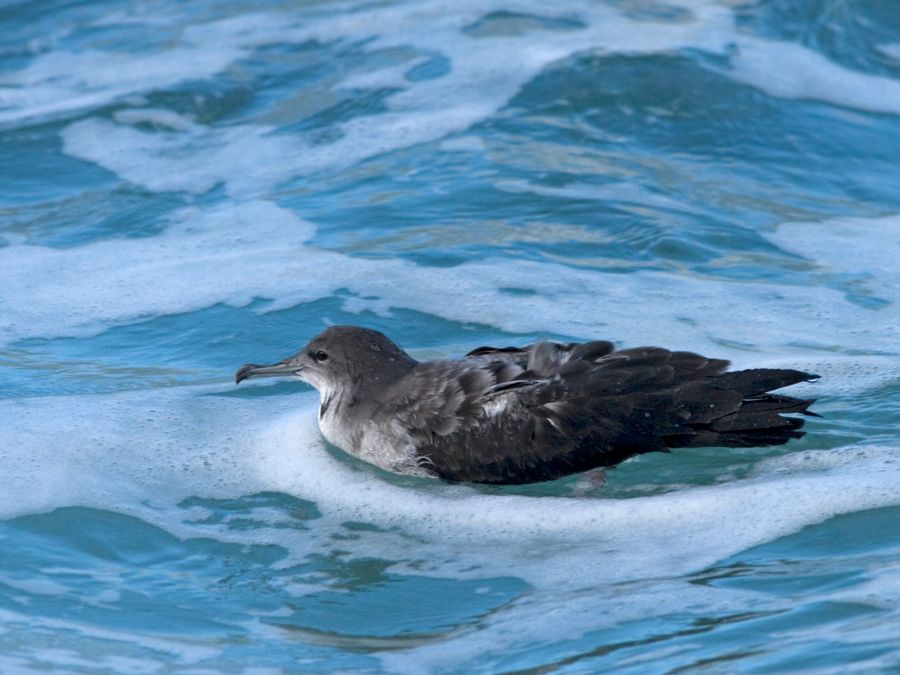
[{"x": 534, "y": 413}]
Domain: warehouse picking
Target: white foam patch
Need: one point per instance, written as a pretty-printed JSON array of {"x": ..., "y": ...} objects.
[
  {"x": 881, "y": 589},
  {"x": 859, "y": 246},
  {"x": 789, "y": 70},
  {"x": 179, "y": 650},
  {"x": 248, "y": 159},
  {"x": 148, "y": 450},
  {"x": 581, "y": 554},
  {"x": 156, "y": 116},
  {"x": 486, "y": 72},
  {"x": 890, "y": 49},
  {"x": 389, "y": 77},
  {"x": 258, "y": 250},
  {"x": 63, "y": 82},
  {"x": 637, "y": 536},
  {"x": 143, "y": 452},
  {"x": 34, "y": 586}
]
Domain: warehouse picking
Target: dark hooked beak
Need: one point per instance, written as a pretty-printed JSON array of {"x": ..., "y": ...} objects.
[{"x": 280, "y": 369}]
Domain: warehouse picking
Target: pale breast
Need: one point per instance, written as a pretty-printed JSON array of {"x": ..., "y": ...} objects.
[{"x": 388, "y": 446}]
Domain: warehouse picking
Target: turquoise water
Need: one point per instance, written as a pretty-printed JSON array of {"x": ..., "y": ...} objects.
[{"x": 186, "y": 187}]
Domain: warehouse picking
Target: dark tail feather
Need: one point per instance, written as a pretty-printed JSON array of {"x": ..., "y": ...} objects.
[
  {"x": 762, "y": 414},
  {"x": 760, "y": 380},
  {"x": 777, "y": 403},
  {"x": 758, "y": 438},
  {"x": 757, "y": 423}
]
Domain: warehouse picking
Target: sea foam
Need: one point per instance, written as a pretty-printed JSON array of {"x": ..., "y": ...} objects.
[
  {"x": 240, "y": 252},
  {"x": 144, "y": 452},
  {"x": 486, "y": 71}
]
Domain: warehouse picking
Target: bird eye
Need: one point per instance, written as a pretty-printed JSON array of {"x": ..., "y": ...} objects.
[{"x": 320, "y": 356}]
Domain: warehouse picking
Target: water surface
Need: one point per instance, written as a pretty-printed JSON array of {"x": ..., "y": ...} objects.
[{"x": 187, "y": 187}]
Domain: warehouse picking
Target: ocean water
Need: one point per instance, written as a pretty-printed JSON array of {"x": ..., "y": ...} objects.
[{"x": 186, "y": 187}]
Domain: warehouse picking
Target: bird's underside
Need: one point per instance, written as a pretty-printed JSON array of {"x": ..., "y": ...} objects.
[{"x": 541, "y": 412}]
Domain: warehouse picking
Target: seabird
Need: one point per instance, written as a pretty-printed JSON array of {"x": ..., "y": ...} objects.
[{"x": 516, "y": 415}]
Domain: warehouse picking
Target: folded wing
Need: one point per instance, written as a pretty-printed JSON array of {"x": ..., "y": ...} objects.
[{"x": 518, "y": 415}]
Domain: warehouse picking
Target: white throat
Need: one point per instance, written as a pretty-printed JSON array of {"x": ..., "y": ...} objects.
[{"x": 329, "y": 402}]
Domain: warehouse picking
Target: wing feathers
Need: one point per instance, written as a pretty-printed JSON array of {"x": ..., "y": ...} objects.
[{"x": 518, "y": 415}]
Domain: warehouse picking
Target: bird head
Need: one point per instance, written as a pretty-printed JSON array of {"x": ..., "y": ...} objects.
[{"x": 340, "y": 356}]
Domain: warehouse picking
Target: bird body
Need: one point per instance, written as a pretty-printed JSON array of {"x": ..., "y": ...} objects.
[{"x": 517, "y": 415}]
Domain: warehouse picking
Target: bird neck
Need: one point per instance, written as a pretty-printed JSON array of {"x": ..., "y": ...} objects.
[
  {"x": 378, "y": 374},
  {"x": 365, "y": 384}
]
